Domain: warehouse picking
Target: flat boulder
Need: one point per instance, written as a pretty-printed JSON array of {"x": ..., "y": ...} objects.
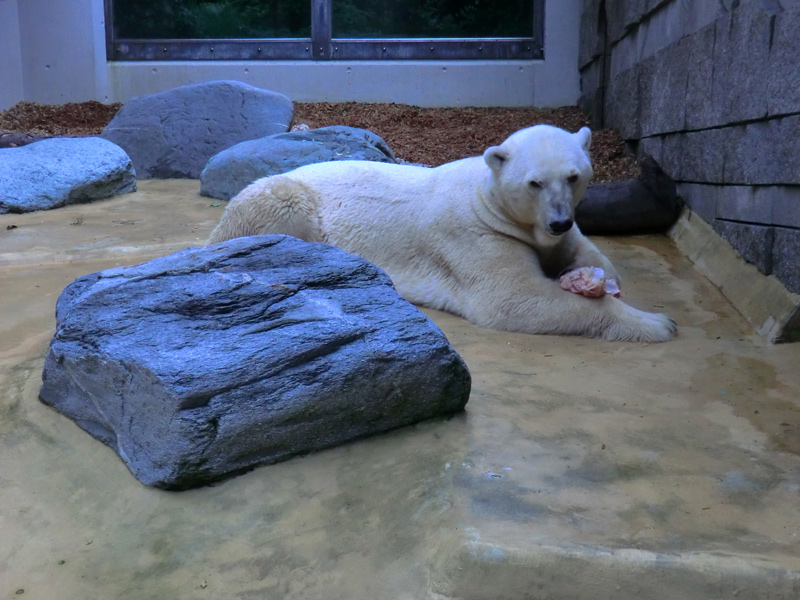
[
  {"x": 210, "y": 361},
  {"x": 172, "y": 134},
  {"x": 58, "y": 171},
  {"x": 233, "y": 169}
]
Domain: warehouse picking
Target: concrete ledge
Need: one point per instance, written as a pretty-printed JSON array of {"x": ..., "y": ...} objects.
[
  {"x": 484, "y": 571},
  {"x": 773, "y": 310}
]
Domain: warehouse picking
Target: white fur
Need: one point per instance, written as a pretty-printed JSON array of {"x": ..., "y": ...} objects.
[{"x": 474, "y": 237}]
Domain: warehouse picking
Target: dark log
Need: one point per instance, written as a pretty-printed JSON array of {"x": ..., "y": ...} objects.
[{"x": 646, "y": 204}]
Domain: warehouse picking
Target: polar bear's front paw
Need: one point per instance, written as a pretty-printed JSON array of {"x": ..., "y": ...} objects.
[{"x": 639, "y": 326}]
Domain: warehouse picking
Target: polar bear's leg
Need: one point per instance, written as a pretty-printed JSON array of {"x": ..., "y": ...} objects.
[
  {"x": 271, "y": 205},
  {"x": 544, "y": 308},
  {"x": 512, "y": 293},
  {"x": 575, "y": 251}
]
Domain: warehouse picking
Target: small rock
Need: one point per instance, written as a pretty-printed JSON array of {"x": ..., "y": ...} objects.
[
  {"x": 60, "y": 171},
  {"x": 232, "y": 170}
]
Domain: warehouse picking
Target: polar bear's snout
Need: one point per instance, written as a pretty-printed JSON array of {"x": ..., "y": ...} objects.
[
  {"x": 560, "y": 227},
  {"x": 557, "y": 213}
]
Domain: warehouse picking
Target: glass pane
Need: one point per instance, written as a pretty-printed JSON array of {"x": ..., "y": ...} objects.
[
  {"x": 432, "y": 18},
  {"x": 233, "y": 19}
]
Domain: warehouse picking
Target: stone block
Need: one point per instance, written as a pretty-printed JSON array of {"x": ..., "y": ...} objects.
[
  {"x": 623, "y": 102},
  {"x": 625, "y": 54},
  {"x": 763, "y": 152},
  {"x": 700, "y": 111},
  {"x": 695, "y": 156},
  {"x": 669, "y": 154},
  {"x": 659, "y": 30},
  {"x": 741, "y": 61},
  {"x": 785, "y": 261},
  {"x": 623, "y": 16},
  {"x": 695, "y": 16},
  {"x": 211, "y": 361},
  {"x": 592, "y": 105},
  {"x": 591, "y": 35},
  {"x": 701, "y": 198},
  {"x": 592, "y": 76},
  {"x": 783, "y": 74},
  {"x": 663, "y": 89},
  {"x": 647, "y": 7},
  {"x": 785, "y": 203},
  {"x": 653, "y": 146},
  {"x": 777, "y": 205},
  {"x": 753, "y": 242},
  {"x": 739, "y": 203}
]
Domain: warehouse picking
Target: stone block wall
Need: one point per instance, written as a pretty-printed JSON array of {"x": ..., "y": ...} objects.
[{"x": 711, "y": 90}]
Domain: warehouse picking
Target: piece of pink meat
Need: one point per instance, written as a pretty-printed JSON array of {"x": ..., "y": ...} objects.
[{"x": 590, "y": 282}]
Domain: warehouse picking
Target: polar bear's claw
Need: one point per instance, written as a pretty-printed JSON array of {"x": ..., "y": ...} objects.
[{"x": 640, "y": 326}]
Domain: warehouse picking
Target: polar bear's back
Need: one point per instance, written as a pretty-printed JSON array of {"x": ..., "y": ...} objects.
[
  {"x": 363, "y": 174},
  {"x": 364, "y": 204},
  {"x": 397, "y": 216},
  {"x": 389, "y": 186}
]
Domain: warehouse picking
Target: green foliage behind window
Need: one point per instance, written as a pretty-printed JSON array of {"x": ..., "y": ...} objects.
[
  {"x": 432, "y": 18},
  {"x": 235, "y": 19},
  {"x": 238, "y": 19}
]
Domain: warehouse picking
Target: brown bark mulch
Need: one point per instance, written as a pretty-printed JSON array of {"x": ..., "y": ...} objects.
[{"x": 430, "y": 136}]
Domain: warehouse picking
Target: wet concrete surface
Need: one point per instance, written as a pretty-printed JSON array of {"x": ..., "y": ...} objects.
[{"x": 580, "y": 469}]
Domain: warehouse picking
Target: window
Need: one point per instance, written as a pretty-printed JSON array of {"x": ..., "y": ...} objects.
[{"x": 323, "y": 29}]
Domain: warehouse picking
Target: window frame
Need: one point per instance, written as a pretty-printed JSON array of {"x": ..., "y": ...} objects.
[{"x": 322, "y": 46}]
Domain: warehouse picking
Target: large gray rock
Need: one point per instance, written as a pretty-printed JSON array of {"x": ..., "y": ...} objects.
[
  {"x": 60, "y": 171},
  {"x": 234, "y": 169},
  {"x": 174, "y": 133},
  {"x": 210, "y": 361}
]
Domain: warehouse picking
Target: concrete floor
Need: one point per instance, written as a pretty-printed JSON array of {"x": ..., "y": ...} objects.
[{"x": 580, "y": 469}]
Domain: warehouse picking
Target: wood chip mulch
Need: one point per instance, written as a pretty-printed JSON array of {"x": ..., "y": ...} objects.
[
  {"x": 430, "y": 136},
  {"x": 72, "y": 119}
]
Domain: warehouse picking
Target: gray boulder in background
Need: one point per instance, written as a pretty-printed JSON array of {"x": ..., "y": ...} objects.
[
  {"x": 173, "y": 133},
  {"x": 233, "y": 169},
  {"x": 210, "y": 361},
  {"x": 60, "y": 171}
]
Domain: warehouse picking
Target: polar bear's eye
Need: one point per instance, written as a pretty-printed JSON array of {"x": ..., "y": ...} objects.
[
  {"x": 536, "y": 184},
  {"x": 572, "y": 178}
]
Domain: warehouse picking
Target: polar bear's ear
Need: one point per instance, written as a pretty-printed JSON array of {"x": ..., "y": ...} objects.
[
  {"x": 584, "y": 137},
  {"x": 495, "y": 157}
]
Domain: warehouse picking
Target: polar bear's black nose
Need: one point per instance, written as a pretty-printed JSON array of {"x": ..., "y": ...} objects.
[{"x": 559, "y": 227}]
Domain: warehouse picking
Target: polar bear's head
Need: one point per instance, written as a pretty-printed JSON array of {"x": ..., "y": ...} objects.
[{"x": 540, "y": 174}]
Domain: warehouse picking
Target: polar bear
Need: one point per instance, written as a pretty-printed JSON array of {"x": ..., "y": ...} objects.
[{"x": 483, "y": 237}]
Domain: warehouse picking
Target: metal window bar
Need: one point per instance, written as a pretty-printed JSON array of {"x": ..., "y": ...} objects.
[{"x": 322, "y": 46}]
